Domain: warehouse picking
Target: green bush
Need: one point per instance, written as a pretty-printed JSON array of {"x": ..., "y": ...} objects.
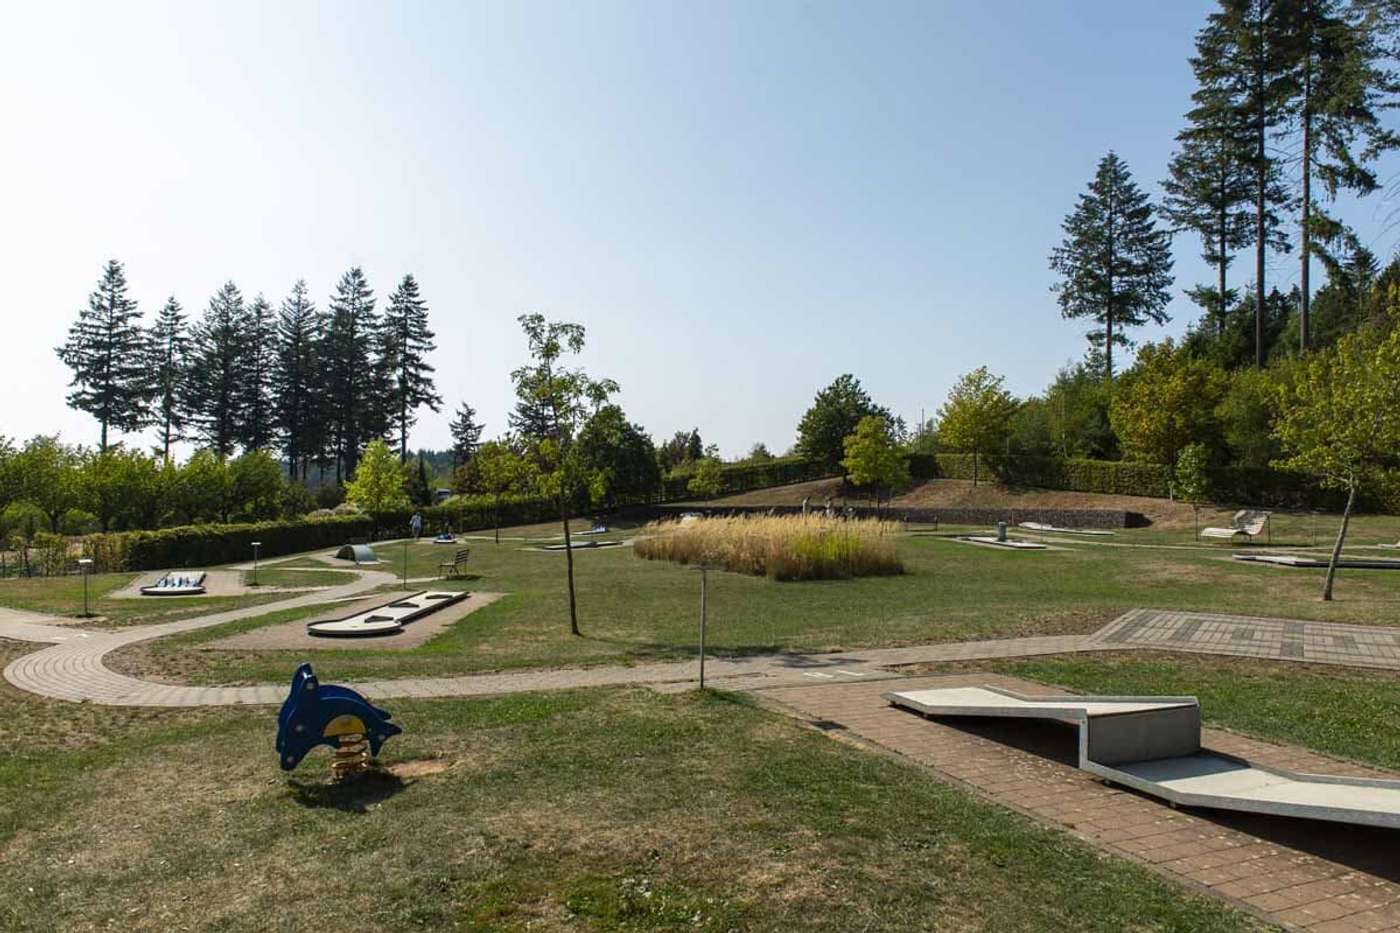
[
  {"x": 22, "y": 520},
  {"x": 77, "y": 522}
]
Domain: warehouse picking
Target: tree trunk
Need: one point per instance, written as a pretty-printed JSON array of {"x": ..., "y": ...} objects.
[
  {"x": 1221, "y": 263},
  {"x": 974, "y": 466},
  {"x": 569, "y": 562},
  {"x": 1304, "y": 240},
  {"x": 1261, "y": 173},
  {"x": 1341, "y": 537},
  {"x": 496, "y": 518}
]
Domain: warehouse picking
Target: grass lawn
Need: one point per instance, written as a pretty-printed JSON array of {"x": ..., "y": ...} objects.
[
  {"x": 63, "y": 596},
  {"x": 1339, "y": 711},
  {"x": 600, "y": 810},
  {"x": 634, "y": 610}
]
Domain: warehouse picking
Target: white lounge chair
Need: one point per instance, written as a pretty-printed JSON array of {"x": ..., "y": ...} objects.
[{"x": 1247, "y": 522}]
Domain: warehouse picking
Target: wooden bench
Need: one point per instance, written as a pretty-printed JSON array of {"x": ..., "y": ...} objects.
[{"x": 453, "y": 568}]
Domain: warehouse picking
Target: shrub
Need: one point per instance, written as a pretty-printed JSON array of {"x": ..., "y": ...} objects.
[
  {"x": 22, "y": 520},
  {"x": 329, "y": 495},
  {"x": 788, "y": 548}
]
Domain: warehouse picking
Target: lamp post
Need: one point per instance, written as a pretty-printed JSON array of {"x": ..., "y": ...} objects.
[
  {"x": 256, "y": 545},
  {"x": 85, "y": 563},
  {"x": 704, "y": 587}
]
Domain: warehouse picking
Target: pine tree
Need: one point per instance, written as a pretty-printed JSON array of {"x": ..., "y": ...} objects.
[
  {"x": 1341, "y": 87},
  {"x": 1116, "y": 265},
  {"x": 1244, "y": 57},
  {"x": 108, "y": 354},
  {"x": 255, "y": 404},
  {"x": 349, "y": 370},
  {"x": 169, "y": 364},
  {"x": 213, "y": 391},
  {"x": 466, "y": 435},
  {"x": 1208, "y": 192},
  {"x": 295, "y": 388},
  {"x": 406, "y": 345}
]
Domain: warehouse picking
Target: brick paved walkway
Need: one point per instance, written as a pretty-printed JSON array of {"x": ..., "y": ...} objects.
[
  {"x": 1293, "y": 872},
  {"x": 1280, "y": 639}
]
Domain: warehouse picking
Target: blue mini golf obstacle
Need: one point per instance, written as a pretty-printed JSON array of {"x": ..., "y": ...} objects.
[{"x": 315, "y": 714}]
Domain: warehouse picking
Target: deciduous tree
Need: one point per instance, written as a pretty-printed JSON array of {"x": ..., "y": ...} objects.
[
  {"x": 873, "y": 458},
  {"x": 834, "y": 413},
  {"x": 1339, "y": 417},
  {"x": 377, "y": 485},
  {"x": 563, "y": 398},
  {"x": 976, "y": 418}
]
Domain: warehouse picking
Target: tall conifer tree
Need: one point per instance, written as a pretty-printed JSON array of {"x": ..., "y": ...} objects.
[
  {"x": 348, "y": 368},
  {"x": 107, "y": 352},
  {"x": 169, "y": 365},
  {"x": 218, "y": 369},
  {"x": 1342, "y": 86},
  {"x": 1244, "y": 60},
  {"x": 1114, "y": 262},
  {"x": 255, "y": 405},
  {"x": 466, "y": 434},
  {"x": 406, "y": 345},
  {"x": 295, "y": 379}
]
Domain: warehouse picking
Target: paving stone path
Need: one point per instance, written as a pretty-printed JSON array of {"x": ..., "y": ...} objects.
[
  {"x": 72, "y": 667},
  {"x": 1296, "y": 873}
]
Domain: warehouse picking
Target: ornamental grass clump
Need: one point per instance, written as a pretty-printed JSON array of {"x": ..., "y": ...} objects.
[{"x": 787, "y": 548}]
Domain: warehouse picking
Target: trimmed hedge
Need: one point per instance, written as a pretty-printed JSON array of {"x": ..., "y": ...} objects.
[
  {"x": 780, "y": 471},
  {"x": 1114, "y": 477},
  {"x": 202, "y": 545}
]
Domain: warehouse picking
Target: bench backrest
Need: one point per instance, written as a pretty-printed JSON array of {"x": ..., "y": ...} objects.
[
  {"x": 461, "y": 556},
  {"x": 1250, "y": 521}
]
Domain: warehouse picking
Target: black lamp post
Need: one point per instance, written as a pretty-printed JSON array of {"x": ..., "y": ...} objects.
[{"x": 85, "y": 564}]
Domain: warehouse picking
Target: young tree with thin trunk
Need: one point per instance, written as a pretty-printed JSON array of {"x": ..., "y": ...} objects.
[
  {"x": 976, "y": 418},
  {"x": 218, "y": 370},
  {"x": 499, "y": 470},
  {"x": 1115, "y": 264},
  {"x": 169, "y": 365},
  {"x": 109, "y": 356},
  {"x": 873, "y": 458},
  {"x": 564, "y": 398},
  {"x": 1339, "y": 416},
  {"x": 406, "y": 344}
]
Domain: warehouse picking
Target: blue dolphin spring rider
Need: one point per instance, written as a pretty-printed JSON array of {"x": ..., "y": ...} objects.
[{"x": 315, "y": 714}]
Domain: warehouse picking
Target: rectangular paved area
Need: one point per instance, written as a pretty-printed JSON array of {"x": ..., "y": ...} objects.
[
  {"x": 1298, "y": 873},
  {"x": 1282, "y": 639}
]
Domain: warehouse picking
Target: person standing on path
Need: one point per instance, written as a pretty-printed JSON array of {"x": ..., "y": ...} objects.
[{"x": 415, "y": 524}]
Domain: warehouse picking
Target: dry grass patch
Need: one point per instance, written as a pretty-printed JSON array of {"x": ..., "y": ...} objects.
[{"x": 793, "y": 547}]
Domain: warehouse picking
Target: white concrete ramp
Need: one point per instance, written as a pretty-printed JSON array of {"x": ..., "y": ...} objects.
[{"x": 1153, "y": 745}]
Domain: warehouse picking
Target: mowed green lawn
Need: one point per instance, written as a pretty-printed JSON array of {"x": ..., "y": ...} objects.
[
  {"x": 63, "y": 596},
  {"x": 599, "y": 810},
  {"x": 634, "y": 610}
]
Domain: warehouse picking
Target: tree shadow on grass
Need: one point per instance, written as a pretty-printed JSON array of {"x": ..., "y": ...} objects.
[{"x": 354, "y": 795}]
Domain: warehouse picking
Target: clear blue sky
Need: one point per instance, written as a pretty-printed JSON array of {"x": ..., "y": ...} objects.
[{"x": 740, "y": 200}]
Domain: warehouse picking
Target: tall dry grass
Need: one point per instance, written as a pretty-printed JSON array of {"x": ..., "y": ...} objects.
[{"x": 791, "y": 547}]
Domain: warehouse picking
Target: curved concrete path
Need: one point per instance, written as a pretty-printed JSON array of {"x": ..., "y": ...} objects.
[{"x": 72, "y": 667}]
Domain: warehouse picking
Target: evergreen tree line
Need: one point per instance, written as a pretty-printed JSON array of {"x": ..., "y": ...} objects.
[
  {"x": 314, "y": 385},
  {"x": 1287, "y": 115}
]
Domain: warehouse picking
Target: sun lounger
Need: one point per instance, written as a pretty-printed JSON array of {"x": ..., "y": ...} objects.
[{"x": 1247, "y": 522}]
